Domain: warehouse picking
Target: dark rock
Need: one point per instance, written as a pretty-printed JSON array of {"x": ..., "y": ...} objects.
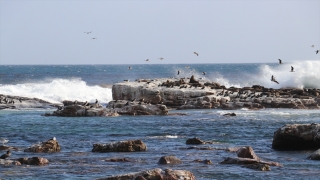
[
  {"x": 34, "y": 161},
  {"x": 194, "y": 141},
  {"x": 121, "y": 146},
  {"x": 258, "y": 166},
  {"x": 230, "y": 114},
  {"x": 297, "y": 137},
  {"x": 315, "y": 155},
  {"x": 169, "y": 160}
]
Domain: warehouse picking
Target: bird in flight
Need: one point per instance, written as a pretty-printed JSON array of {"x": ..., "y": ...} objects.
[
  {"x": 88, "y": 32},
  {"x": 161, "y": 58},
  {"x": 178, "y": 72},
  {"x": 196, "y": 53},
  {"x": 94, "y": 38},
  {"x": 147, "y": 59},
  {"x": 274, "y": 79},
  {"x": 292, "y": 69},
  {"x": 317, "y": 51},
  {"x": 280, "y": 61},
  {"x": 312, "y": 46},
  {"x": 129, "y": 67}
]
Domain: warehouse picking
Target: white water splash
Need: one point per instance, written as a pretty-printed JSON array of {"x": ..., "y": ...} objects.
[{"x": 58, "y": 90}]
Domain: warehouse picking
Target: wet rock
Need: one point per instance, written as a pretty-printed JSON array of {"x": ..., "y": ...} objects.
[
  {"x": 9, "y": 162},
  {"x": 258, "y": 166},
  {"x": 231, "y": 160},
  {"x": 315, "y": 155},
  {"x": 18, "y": 102},
  {"x": 230, "y": 114},
  {"x": 121, "y": 146},
  {"x": 118, "y": 160},
  {"x": 194, "y": 141},
  {"x": 247, "y": 152},
  {"x": 297, "y": 137},
  {"x": 206, "y": 161},
  {"x": 155, "y": 174},
  {"x": 169, "y": 160},
  {"x": 48, "y": 146},
  {"x": 34, "y": 161}
]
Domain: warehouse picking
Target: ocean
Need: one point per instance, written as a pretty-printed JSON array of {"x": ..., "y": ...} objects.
[{"x": 163, "y": 135}]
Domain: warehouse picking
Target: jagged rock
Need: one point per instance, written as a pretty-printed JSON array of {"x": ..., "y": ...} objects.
[
  {"x": 258, "y": 166},
  {"x": 45, "y": 147},
  {"x": 297, "y": 137},
  {"x": 155, "y": 174},
  {"x": 194, "y": 141},
  {"x": 122, "y": 146},
  {"x": 247, "y": 152},
  {"x": 315, "y": 155},
  {"x": 34, "y": 161},
  {"x": 206, "y": 161},
  {"x": 169, "y": 160}
]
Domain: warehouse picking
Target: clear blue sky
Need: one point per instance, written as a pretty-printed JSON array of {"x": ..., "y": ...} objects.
[{"x": 129, "y": 32}]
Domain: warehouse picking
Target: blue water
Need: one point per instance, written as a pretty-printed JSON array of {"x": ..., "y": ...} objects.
[{"x": 163, "y": 135}]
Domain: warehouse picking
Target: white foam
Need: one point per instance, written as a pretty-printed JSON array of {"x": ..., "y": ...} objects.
[{"x": 58, "y": 90}]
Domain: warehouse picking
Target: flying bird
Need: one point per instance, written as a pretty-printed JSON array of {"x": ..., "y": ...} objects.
[
  {"x": 129, "y": 67},
  {"x": 147, "y": 59},
  {"x": 178, "y": 72},
  {"x": 94, "y": 38},
  {"x": 161, "y": 58},
  {"x": 196, "y": 53},
  {"x": 88, "y": 32},
  {"x": 292, "y": 69},
  {"x": 280, "y": 61},
  {"x": 274, "y": 79},
  {"x": 317, "y": 51},
  {"x": 312, "y": 46}
]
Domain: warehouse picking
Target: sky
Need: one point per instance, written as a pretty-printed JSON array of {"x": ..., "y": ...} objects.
[{"x": 132, "y": 31}]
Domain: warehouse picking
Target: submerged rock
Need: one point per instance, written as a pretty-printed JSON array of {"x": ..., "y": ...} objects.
[
  {"x": 169, "y": 160},
  {"x": 34, "y": 161},
  {"x": 122, "y": 146},
  {"x": 155, "y": 174}
]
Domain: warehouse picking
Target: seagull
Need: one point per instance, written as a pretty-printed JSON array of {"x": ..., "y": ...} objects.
[
  {"x": 54, "y": 138},
  {"x": 4, "y": 140},
  {"x": 161, "y": 58},
  {"x": 147, "y": 59},
  {"x": 126, "y": 80},
  {"x": 4, "y": 156},
  {"x": 317, "y": 51},
  {"x": 178, "y": 72},
  {"x": 96, "y": 101},
  {"x": 94, "y": 38},
  {"x": 196, "y": 53},
  {"x": 88, "y": 32},
  {"x": 129, "y": 67},
  {"x": 312, "y": 46},
  {"x": 292, "y": 69},
  {"x": 280, "y": 61}
]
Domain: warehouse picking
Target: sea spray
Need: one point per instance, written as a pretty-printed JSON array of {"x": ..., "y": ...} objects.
[{"x": 58, "y": 90}]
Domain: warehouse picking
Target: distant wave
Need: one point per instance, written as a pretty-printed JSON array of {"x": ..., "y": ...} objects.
[
  {"x": 306, "y": 75},
  {"x": 58, "y": 90}
]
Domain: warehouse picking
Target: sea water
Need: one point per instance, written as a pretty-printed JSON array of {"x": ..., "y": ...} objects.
[{"x": 163, "y": 135}]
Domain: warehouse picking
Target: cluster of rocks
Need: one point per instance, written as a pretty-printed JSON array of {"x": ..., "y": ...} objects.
[
  {"x": 189, "y": 93},
  {"x": 114, "y": 108},
  {"x": 16, "y": 102},
  {"x": 49, "y": 146}
]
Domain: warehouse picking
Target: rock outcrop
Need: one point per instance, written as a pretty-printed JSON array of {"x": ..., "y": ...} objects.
[
  {"x": 48, "y": 146},
  {"x": 39, "y": 161},
  {"x": 121, "y": 146},
  {"x": 154, "y": 174},
  {"x": 189, "y": 93},
  {"x": 315, "y": 155},
  {"x": 17, "y": 102},
  {"x": 297, "y": 137}
]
